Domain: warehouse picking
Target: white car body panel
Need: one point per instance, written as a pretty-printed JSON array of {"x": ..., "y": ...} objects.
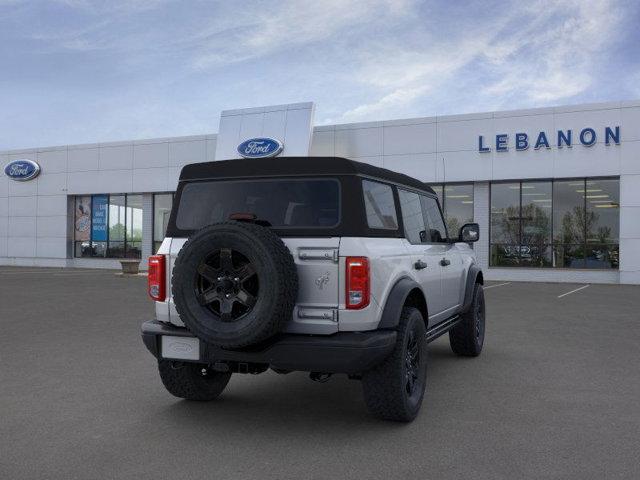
[{"x": 320, "y": 261}]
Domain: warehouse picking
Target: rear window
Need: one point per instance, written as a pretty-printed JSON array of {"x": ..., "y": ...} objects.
[{"x": 284, "y": 203}]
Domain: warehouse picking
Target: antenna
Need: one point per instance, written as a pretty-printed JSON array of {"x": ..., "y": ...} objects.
[{"x": 444, "y": 171}]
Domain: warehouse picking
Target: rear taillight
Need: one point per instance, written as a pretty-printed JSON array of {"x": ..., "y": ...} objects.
[
  {"x": 156, "y": 278},
  {"x": 357, "y": 282}
]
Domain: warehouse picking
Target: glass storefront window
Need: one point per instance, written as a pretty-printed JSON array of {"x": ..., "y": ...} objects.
[
  {"x": 458, "y": 206},
  {"x": 134, "y": 226},
  {"x": 108, "y": 226},
  {"x": 162, "y": 203},
  {"x": 535, "y": 248},
  {"x": 563, "y": 224},
  {"x": 505, "y": 224},
  {"x": 456, "y": 200},
  {"x": 82, "y": 226}
]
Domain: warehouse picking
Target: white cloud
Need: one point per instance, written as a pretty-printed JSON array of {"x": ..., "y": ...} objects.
[
  {"x": 544, "y": 52},
  {"x": 290, "y": 23}
]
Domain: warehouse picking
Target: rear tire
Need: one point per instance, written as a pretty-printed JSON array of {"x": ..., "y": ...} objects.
[
  {"x": 394, "y": 389},
  {"x": 192, "y": 381},
  {"x": 467, "y": 337}
]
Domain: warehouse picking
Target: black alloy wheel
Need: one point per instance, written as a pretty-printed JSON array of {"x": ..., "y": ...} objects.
[
  {"x": 412, "y": 363},
  {"x": 227, "y": 284}
]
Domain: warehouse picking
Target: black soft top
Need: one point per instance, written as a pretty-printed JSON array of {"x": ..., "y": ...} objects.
[{"x": 295, "y": 166}]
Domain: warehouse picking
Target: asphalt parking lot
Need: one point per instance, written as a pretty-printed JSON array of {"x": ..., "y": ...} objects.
[{"x": 555, "y": 394}]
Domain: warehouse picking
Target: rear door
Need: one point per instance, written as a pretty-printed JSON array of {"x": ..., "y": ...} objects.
[{"x": 425, "y": 257}]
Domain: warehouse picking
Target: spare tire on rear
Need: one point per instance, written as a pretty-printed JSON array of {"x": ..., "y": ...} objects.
[{"x": 234, "y": 284}]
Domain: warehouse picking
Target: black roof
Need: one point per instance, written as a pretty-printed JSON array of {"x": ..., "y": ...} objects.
[{"x": 295, "y": 166}]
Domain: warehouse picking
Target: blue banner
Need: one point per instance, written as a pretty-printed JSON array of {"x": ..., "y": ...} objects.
[{"x": 99, "y": 207}]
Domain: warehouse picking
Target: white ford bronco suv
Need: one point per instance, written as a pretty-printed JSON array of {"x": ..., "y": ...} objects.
[{"x": 315, "y": 264}]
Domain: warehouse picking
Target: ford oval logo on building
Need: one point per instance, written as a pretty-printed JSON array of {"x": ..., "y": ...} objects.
[
  {"x": 22, "y": 170},
  {"x": 260, "y": 148}
]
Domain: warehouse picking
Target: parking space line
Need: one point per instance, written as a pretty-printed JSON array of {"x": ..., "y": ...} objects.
[
  {"x": 573, "y": 291},
  {"x": 497, "y": 285}
]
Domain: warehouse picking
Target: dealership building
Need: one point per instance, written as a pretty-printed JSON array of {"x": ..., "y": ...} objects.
[{"x": 556, "y": 190}]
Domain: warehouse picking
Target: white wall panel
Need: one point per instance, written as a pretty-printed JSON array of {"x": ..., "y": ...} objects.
[
  {"x": 22, "y": 189},
  {"x": 630, "y": 124},
  {"x": 51, "y": 205},
  {"x": 52, "y": 183},
  {"x": 273, "y": 125},
  {"x": 228, "y": 136},
  {"x": 463, "y": 135},
  {"x": 118, "y": 157},
  {"x": 22, "y": 227},
  {"x": 528, "y": 163},
  {"x": 421, "y": 165},
  {"x": 211, "y": 149},
  {"x": 581, "y": 161},
  {"x": 105, "y": 181},
  {"x": 4, "y": 184},
  {"x": 22, "y": 206},
  {"x": 21, "y": 246},
  {"x": 183, "y": 153},
  {"x": 52, "y": 161},
  {"x": 407, "y": 139},
  {"x": 51, "y": 247},
  {"x": 297, "y": 135},
  {"x": 83, "y": 159},
  {"x": 630, "y": 191},
  {"x": 52, "y": 226},
  {"x": 322, "y": 144},
  {"x": 149, "y": 180},
  {"x": 151, "y": 155},
  {"x": 630, "y": 157},
  {"x": 459, "y": 166},
  {"x": 358, "y": 142}
]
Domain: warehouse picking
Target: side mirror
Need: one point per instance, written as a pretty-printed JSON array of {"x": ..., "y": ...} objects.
[
  {"x": 423, "y": 236},
  {"x": 470, "y": 232}
]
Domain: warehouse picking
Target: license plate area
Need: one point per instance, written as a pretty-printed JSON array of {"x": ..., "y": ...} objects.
[{"x": 180, "y": 348}]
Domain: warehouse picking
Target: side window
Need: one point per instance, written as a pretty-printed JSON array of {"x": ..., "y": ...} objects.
[
  {"x": 412, "y": 218},
  {"x": 436, "y": 231},
  {"x": 379, "y": 205}
]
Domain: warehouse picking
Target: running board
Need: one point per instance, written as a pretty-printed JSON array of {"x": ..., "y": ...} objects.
[{"x": 442, "y": 328}]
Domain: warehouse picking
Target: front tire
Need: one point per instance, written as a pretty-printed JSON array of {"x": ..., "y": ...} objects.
[
  {"x": 394, "y": 389},
  {"x": 192, "y": 381},
  {"x": 467, "y": 337}
]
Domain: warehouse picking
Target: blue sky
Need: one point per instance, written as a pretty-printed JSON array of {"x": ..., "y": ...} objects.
[{"x": 76, "y": 71}]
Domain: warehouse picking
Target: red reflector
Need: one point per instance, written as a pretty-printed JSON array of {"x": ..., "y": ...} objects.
[
  {"x": 156, "y": 278},
  {"x": 357, "y": 282}
]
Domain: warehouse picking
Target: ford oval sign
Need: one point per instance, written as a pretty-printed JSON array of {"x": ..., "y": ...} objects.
[
  {"x": 22, "y": 170},
  {"x": 260, "y": 148}
]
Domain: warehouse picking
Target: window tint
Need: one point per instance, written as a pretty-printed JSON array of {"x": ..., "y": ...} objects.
[
  {"x": 282, "y": 203},
  {"x": 412, "y": 217},
  {"x": 436, "y": 231},
  {"x": 379, "y": 205}
]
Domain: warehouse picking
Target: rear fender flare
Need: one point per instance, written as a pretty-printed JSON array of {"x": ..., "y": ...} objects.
[{"x": 397, "y": 299}]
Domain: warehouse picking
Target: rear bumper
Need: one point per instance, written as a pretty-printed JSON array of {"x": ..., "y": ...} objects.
[{"x": 343, "y": 352}]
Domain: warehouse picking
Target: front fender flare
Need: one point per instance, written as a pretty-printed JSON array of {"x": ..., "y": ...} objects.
[{"x": 395, "y": 302}]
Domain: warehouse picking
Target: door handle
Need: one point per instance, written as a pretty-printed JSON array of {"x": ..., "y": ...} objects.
[
  {"x": 444, "y": 262},
  {"x": 419, "y": 265}
]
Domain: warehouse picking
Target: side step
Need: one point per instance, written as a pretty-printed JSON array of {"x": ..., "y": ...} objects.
[{"x": 442, "y": 328}]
